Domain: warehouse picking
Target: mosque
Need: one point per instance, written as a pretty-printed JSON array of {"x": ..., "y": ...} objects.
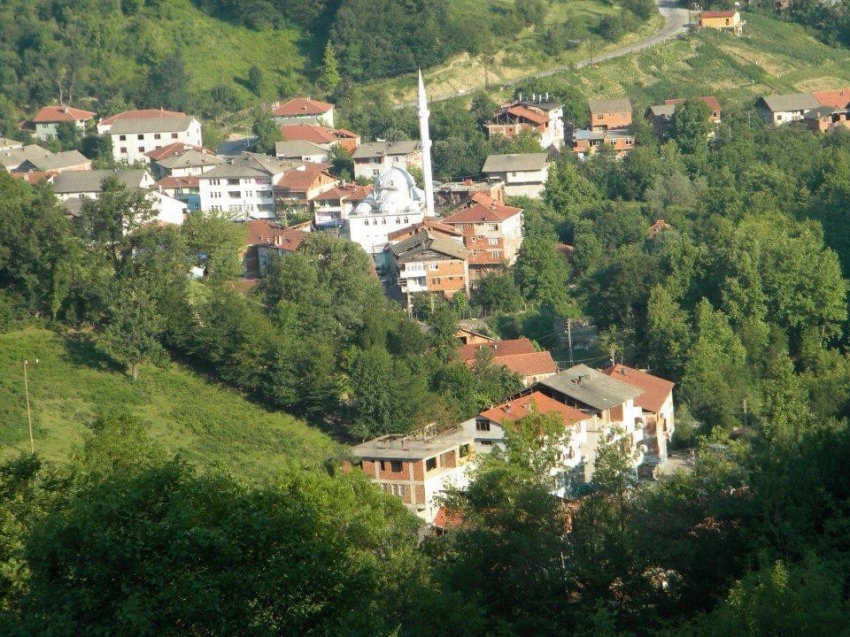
[{"x": 395, "y": 202}]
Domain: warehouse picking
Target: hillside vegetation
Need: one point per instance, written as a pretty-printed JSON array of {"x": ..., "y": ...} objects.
[{"x": 183, "y": 413}]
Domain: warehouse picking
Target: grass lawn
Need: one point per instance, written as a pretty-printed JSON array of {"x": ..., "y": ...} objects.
[{"x": 204, "y": 422}]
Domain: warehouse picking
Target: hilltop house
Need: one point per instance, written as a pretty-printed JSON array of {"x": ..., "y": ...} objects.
[
  {"x": 418, "y": 467},
  {"x": 75, "y": 185},
  {"x": 722, "y": 20},
  {"x": 492, "y": 232},
  {"x": 518, "y": 355},
  {"x": 296, "y": 188},
  {"x": 781, "y": 109},
  {"x": 301, "y": 151},
  {"x": 537, "y": 115},
  {"x": 656, "y": 404},
  {"x": 610, "y": 405},
  {"x": 454, "y": 193},
  {"x": 33, "y": 158},
  {"x": 613, "y": 114},
  {"x": 303, "y": 110},
  {"x": 332, "y": 207},
  {"x": 181, "y": 160},
  {"x": 321, "y": 136},
  {"x": 428, "y": 261},
  {"x": 267, "y": 240},
  {"x": 47, "y": 120},
  {"x": 244, "y": 186},
  {"x": 523, "y": 174},
  {"x": 134, "y": 137},
  {"x": 488, "y": 430},
  {"x": 660, "y": 115},
  {"x": 371, "y": 159}
]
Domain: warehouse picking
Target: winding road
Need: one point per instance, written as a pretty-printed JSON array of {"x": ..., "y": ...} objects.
[{"x": 675, "y": 23}]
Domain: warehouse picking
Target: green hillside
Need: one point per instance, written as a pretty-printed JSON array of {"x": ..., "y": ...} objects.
[{"x": 206, "y": 423}]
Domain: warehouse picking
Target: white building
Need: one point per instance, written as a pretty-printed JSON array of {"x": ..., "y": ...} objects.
[
  {"x": 48, "y": 119},
  {"x": 395, "y": 202},
  {"x": 133, "y": 138},
  {"x": 371, "y": 159},
  {"x": 303, "y": 110},
  {"x": 243, "y": 187},
  {"x": 524, "y": 174}
]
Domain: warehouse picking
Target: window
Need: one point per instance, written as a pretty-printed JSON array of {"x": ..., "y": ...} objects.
[
  {"x": 215, "y": 182},
  {"x": 435, "y": 281},
  {"x": 397, "y": 489},
  {"x": 157, "y": 136},
  {"x": 234, "y": 194},
  {"x": 123, "y": 150},
  {"x": 431, "y": 464},
  {"x": 482, "y": 424},
  {"x": 494, "y": 226},
  {"x": 496, "y": 254},
  {"x": 383, "y": 222},
  {"x": 395, "y": 466},
  {"x": 433, "y": 266},
  {"x": 141, "y": 149},
  {"x": 493, "y": 242},
  {"x": 173, "y": 135},
  {"x": 405, "y": 220},
  {"x": 465, "y": 450},
  {"x": 140, "y": 136},
  {"x": 122, "y": 138},
  {"x": 232, "y": 182}
]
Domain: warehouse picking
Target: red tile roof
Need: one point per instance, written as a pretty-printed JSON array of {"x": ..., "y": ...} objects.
[
  {"x": 655, "y": 389},
  {"x": 51, "y": 114},
  {"x": 145, "y": 113},
  {"x": 315, "y": 134},
  {"x": 517, "y": 408},
  {"x": 839, "y": 98},
  {"x": 175, "y": 150},
  {"x": 532, "y": 364},
  {"x": 301, "y": 106},
  {"x": 35, "y": 176},
  {"x": 270, "y": 233},
  {"x": 480, "y": 208},
  {"x": 178, "y": 182},
  {"x": 447, "y": 519},
  {"x": 509, "y": 347},
  {"x": 409, "y": 231},
  {"x": 302, "y": 180},
  {"x": 521, "y": 111},
  {"x": 351, "y": 192}
]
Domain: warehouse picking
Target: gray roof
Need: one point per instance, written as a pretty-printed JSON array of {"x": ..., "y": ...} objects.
[
  {"x": 251, "y": 165},
  {"x": 377, "y": 149},
  {"x": 82, "y": 181},
  {"x": 190, "y": 159},
  {"x": 610, "y": 106},
  {"x": 662, "y": 110},
  {"x": 12, "y": 157},
  {"x": 140, "y": 125},
  {"x": 592, "y": 388},
  {"x": 298, "y": 148},
  {"x": 411, "y": 447},
  {"x": 58, "y": 161},
  {"x": 822, "y": 111},
  {"x": 425, "y": 245},
  {"x": 515, "y": 163},
  {"x": 790, "y": 102},
  {"x": 10, "y": 143}
]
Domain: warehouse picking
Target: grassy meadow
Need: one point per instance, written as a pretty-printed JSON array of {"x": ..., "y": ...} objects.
[{"x": 204, "y": 422}]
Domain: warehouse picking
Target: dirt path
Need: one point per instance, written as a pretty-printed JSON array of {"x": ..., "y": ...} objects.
[{"x": 675, "y": 23}]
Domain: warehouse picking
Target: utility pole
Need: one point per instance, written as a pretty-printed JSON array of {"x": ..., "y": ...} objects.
[
  {"x": 570, "y": 340},
  {"x": 29, "y": 411}
]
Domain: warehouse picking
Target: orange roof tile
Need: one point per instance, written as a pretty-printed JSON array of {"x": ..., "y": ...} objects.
[
  {"x": 499, "y": 348},
  {"x": 351, "y": 192},
  {"x": 34, "y": 176},
  {"x": 655, "y": 389},
  {"x": 447, "y": 519},
  {"x": 302, "y": 180},
  {"x": 530, "y": 364},
  {"x": 521, "y": 111},
  {"x": 476, "y": 211},
  {"x": 517, "y": 408},
  {"x": 52, "y": 114},
  {"x": 174, "y": 150},
  {"x": 301, "y": 106},
  {"x": 178, "y": 182},
  {"x": 839, "y": 98}
]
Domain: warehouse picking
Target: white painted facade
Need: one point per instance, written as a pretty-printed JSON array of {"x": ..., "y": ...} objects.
[
  {"x": 242, "y": 196},
  {"x": 133, "y": 138}
]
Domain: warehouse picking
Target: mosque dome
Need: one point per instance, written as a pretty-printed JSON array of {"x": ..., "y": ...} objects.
[{"x": 395, "y": 191}]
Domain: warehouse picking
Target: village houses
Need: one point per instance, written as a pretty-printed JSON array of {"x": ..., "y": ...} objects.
[
  {"x": 136, "y": 133},
  {"x": 524, "y": 174},
  {"x": 610, "y": 127},
  {"x": 371, "y": 159},
  {"x": 539, "y": 115},
  {"x": 303, "y": 110},
  {"x": 48, "y": 119}
]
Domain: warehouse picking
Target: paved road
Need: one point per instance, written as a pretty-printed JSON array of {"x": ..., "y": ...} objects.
[{"x": 675, "y": 23}]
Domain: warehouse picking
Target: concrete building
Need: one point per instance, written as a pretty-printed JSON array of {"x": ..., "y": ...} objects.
[
  {"x": 610, "y": 114},
  {"x": 540, "y": 116},
  {"x": 417, "y": 468},
  {"x": 781, "y": 109},
  {"x": 371, "y": 159},
  {"x": 134, "y": 138},
  {"x": 303, "y": 110},
  {"x": 523, "y": 174},
  {"x": 428, "y": 262},
  {"x": 48, "y": 119}
]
